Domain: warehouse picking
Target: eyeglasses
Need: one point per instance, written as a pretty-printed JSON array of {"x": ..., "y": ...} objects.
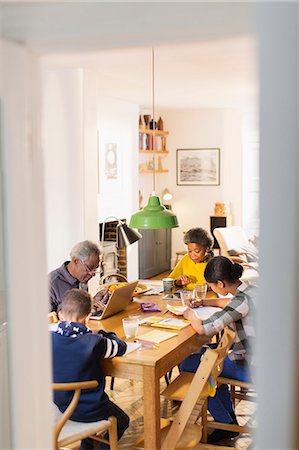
[{"x": 91, "y": 270}]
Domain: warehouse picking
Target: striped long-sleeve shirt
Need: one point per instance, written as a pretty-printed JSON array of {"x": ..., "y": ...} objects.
[
  {"x": 77, "y": 356},
  {"x": 239, "y": 315}
]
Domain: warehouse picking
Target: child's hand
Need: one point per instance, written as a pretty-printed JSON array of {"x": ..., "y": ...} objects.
[
  {"x": 195, "y": 321},
  {"x": 183, "y": 280},
  {"x": 193, "y": 303},
  {"x": 189, "y": 314}
]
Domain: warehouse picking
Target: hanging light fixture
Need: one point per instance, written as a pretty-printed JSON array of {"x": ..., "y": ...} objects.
[
  {"x": 166, "y": 195},
  {"x": 154, "y": 215}
]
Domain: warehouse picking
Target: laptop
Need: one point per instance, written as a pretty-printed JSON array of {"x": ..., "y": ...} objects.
[{"x": 118, "y": 301}]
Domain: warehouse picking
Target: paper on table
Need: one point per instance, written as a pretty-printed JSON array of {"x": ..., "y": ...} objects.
[
  {"x": 177, "y": 310},
  {"x": 52, "y": 326},
  {"x": 157, "y": 336},
  {"x": 131, "y": 346},
  {"x": 204, "y": 312},
  {"x": 172, "y": 323}
]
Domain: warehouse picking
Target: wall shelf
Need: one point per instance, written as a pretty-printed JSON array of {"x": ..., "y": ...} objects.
[
  {"x": 156, "y": 171},
  {"x": 153, "y": 132},
  {"x": 151, "y": 152}
]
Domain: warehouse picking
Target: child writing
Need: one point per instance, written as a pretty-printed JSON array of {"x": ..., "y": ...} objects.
[
  {"x": 190, "y": 269},
  {"x": 223, "y": 277},
  {"x": 77, "y": 353}
]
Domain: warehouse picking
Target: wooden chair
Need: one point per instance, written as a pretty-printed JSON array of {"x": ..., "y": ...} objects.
[
  {"x": 113, "y": 278},
  {"x": 67, "y": 432},
  {"x": 178, "y": 255},
  {"x": 246, "y": 390},
  {"x": 52, "y": 317},
  {"x": 193, "y": 390}
]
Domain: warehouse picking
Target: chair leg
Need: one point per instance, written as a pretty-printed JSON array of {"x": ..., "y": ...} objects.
[
  {"x": 112, "y": 383},
  {"x": 204, "y": 421},
  {"x": 113, "y": 434},
  {"x": 233, "y": 395}
]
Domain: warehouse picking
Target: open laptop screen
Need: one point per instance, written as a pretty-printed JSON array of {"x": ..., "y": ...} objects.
[{"x": 118, "y": 301}]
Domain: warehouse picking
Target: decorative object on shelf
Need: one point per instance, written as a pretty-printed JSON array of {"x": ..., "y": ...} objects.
[
  {"x": 222, "y": 209},
  {"x": 160, "y": 124},
  {"x": 160, "y": 167},
  {"x": 140, "y": 121},
  {"x": 167, "y": 195},
  {"x": 153, "y": 125},
  {"x": 154, "y": 215},
  {"x": 146, "y": 118},
  {"x": 198, "y": 167},
  {"x": 124, "y": 235}
]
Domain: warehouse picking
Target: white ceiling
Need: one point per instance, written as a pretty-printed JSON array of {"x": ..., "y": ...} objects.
[
  {"x": 205, "y": 55},
  {"x": 210, "y": 74}
]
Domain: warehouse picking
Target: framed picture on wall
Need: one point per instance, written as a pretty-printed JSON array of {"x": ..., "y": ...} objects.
[
  {"x": 109, "y": 164},
  {"x": 198, "y": 166}
]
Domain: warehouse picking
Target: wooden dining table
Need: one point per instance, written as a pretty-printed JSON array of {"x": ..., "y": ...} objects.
[{"x": 148, "y": 364}]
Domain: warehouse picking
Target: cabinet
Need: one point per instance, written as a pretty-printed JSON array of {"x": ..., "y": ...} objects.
[
  {"x": 154, "y": 252},
  {"x": 219, "y": 222},
  {"x": 152, "y": 143}
]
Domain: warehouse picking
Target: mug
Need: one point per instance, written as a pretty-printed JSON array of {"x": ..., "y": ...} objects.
[{"x": 167, "y": 284}]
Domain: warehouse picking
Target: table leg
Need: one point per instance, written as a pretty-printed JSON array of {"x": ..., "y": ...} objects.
[{"x": 151, "y": 392}]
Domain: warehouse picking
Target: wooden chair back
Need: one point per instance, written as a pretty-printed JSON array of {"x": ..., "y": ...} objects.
[
  {"x": 84, "y": 430},
  {"x": 52, "y": 317},
  {"x": 193, "y": 390},
  {"x": 113, "y": 278}
]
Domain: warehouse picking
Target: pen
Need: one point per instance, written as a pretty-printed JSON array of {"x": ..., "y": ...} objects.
[{"x": 142, "y": 341}]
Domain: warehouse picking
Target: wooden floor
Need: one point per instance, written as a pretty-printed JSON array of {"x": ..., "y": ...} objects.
[{"x": 128, "y": 395}]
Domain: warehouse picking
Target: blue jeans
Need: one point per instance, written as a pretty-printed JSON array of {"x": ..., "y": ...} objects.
[
  {"x": 220, "y": 406},
  {"x": 122, "y": 424}
]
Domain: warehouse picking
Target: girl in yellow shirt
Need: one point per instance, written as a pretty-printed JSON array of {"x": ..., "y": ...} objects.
[{"x": 190, "y": 269}]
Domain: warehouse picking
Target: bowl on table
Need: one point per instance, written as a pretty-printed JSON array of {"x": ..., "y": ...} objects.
[{"x": 140, "y": 289}]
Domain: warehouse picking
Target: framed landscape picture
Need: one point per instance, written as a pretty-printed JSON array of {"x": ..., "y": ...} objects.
[{"x": 198, "y": 167}]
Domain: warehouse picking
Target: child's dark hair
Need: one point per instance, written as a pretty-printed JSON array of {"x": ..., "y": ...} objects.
[
  {"x": 201, "y": 237},
  {"x": 221, "y": 268},
  {"x": 76, "y": 302}
]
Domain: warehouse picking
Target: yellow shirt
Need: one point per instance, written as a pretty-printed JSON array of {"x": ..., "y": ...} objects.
[{"x": 195, "y": 271}]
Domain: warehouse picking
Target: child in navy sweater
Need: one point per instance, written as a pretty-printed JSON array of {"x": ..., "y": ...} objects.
[{"x": 77, "y": 353}]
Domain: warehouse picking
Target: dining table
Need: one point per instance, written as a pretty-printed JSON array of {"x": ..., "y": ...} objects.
[{"x": 148, "y": 365}]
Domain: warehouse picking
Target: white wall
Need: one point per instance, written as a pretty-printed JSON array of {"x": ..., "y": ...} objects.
[
  {"x": 118, "y": 124},
  {"x": 70, "y": 159},
  {"x": 24, "y": 248},
  {"x": 63, "y": 161},
  {"x": 201, "y": 129}
]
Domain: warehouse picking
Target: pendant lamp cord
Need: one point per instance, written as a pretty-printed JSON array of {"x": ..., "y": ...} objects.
[{"x": 154, "y": 140}]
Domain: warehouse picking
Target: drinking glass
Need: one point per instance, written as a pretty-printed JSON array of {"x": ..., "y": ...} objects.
[
  {"x": 130, "y": 325},
  {"x": 186, "y": 297},
  {"x": 200, "y": 292}
]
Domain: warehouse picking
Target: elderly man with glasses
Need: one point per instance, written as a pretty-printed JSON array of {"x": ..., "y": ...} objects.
[{"x": 84, "y": 264}]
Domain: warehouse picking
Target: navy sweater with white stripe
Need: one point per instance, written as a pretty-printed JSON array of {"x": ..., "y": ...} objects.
[{"x": 77, "y": 354}]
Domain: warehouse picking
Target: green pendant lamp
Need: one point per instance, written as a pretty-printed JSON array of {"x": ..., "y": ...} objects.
[{"x": 154, "y": 215}]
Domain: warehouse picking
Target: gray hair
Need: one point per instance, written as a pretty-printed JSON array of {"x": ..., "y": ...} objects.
[
  {"x": 199, "y": 236},
  {"x": 84, "y": 249}
]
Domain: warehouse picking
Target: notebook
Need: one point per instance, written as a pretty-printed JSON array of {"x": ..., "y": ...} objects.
[
  {"x": 157, "y": 336},
  {"x": 169, "y": 322},
  {"x": 119, "y": 300}
]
